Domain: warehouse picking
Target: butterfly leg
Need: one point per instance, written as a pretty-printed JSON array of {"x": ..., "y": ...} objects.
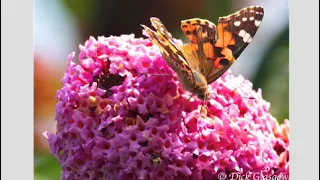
[
  {"x": 204, "y": 103},
  {"x": 158, "y": 74},
  {"x": 185, "y": 105}
]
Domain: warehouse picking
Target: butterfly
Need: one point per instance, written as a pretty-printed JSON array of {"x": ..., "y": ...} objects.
[{"x": 212, "y": 49}]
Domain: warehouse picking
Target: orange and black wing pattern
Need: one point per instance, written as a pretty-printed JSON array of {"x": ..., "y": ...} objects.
[
  {"x": 219, "y": 46},
  {"x": 234, "y": 34}
]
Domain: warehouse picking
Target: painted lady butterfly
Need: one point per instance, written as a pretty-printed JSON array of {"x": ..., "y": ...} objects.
[{"x": 212, "y": 49}]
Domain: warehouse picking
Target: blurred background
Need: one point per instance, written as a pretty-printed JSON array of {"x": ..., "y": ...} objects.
[{"x": 61, "y": 25}]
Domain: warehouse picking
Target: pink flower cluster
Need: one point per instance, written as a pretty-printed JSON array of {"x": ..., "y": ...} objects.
[{"x": 122, "y": 114}]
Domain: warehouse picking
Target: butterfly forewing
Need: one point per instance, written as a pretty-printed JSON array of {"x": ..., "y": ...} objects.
[
  {"x": 237, "y": 30},
  {"x": 234, "y": 32}
]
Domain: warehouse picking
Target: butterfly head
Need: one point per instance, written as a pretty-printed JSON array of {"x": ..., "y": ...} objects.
[{"x": 203, "y": 96}]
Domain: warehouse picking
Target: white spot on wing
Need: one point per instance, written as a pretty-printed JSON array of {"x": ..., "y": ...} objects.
[
  {"x": 245, "y": 36},
  {"x": 249, "y": 40},
  {"x": 244, "y": 19},
  {"x": 242, "y": 33},
  {"x": 257, "y": 23},
  {"x": 251, "y": 18},
  {"x": 237, "y": 23}
]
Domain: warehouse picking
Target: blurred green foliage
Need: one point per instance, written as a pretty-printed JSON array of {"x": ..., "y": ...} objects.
[
  {"x": 101, "y": 17},
  {"x": 46, "y": 167},
  {"x": 107, "y": 18},
  {"x": 273, "y": 76}
]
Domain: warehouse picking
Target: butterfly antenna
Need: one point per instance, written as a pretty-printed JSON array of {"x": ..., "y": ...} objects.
[
  {"x": 248, "y": 97},
  {"x": 155, "y": 74}
]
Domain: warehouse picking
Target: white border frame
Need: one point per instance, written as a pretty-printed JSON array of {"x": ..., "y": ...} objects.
[
  {"x": 17, "y": 89},
  {"x": 304, "y": 89}
]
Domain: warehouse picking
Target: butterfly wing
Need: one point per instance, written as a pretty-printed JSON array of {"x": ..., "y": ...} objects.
[
  {"x": 202, "y": 35},
  {"x": 235, "y": 32},
  {"x": 220, "y": 46},
  {"x": 207, "y": 33},
  {"x": 170, "y": 51}
]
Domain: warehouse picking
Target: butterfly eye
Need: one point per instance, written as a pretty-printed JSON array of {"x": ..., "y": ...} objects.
[{"x": 224, "y": 62}]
